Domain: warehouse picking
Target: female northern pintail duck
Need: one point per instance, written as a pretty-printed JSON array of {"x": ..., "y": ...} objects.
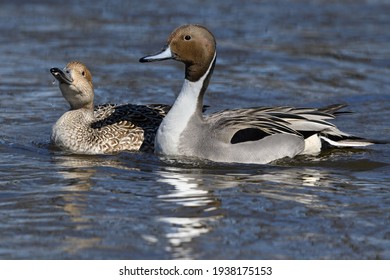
[
  {"x": 107, "y": 128},
  {"x": 254, "y": 135}
]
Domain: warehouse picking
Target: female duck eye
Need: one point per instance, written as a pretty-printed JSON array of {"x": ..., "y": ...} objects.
[
  {"x": 187, "y": 37},
  {"x": 83, "y": 73}
]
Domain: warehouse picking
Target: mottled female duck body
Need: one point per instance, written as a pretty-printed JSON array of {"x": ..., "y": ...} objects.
[{"x": 108, "y": 128}]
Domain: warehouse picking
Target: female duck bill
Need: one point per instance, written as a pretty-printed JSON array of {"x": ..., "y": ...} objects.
[{"x": 61, "y": 76}]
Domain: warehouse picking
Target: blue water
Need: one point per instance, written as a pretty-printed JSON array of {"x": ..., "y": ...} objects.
[{"x": 138, "y": 206}]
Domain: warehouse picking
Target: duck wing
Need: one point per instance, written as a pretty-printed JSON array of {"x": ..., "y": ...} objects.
[
  {"x": 251, "y": 124},
  {"x": 128, "y": 126},
  {"x": 265, "y": 121}
]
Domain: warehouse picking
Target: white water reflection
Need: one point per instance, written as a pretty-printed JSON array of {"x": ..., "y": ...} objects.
[
  {"x": 293, "y": 186},
  {"x": 199, "y": 207},
  {"x": 183, "y": 230},
  {"x": 188, "y": 193},
  {"x": 289, "y": 184}
]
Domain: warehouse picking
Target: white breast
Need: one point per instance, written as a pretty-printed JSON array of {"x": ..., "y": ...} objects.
[{"x": 168, "y": 135}]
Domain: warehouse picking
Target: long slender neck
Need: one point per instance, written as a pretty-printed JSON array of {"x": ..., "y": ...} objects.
[
  {"x": 193, "y": 91},
  {"x": 86, "y": 107},
  {"x": 187, "y": 107},
  {"x": 190, "y": 99},
  {"x": 85, "y": 112}
]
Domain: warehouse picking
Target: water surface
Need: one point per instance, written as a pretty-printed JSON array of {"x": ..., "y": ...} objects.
[{"x": 138, "y": 206}]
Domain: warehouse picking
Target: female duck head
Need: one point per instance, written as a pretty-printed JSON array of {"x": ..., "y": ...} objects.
[{"x": 75, "y": 82}]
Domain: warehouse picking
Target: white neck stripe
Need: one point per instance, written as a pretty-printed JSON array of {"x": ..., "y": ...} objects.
[{"x": 176, "y": 121}]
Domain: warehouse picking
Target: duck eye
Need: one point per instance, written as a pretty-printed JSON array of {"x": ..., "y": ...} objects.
[
  {"x": 187, "y": 37},
  {"x": 83, "y": 73}
]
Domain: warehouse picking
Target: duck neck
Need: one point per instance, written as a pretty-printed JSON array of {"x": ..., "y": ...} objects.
[
  {"x": 187, "y": 108},
  {"x": 190, "y": 99},
  {"x": 78, "y": 119},
  {"x": 86, "y": 113}
]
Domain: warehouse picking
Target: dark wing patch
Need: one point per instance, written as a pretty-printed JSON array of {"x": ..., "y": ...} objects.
[
  {"x": 248, "y": 134},
  {"x": 307, "y": 133}
]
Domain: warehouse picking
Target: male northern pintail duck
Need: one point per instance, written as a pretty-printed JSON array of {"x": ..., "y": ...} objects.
[
  {"x": 252, "y": 135},
  {"x": 106, "y": 128}
]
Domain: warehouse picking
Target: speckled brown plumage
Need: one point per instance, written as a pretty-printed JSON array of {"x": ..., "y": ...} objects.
[
  {"x": 108, "y": 128},
  {"x": 135, "y": 123}
]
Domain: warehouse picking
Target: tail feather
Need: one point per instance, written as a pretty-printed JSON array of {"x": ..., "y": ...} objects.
[
  {"x": 349, "y": 141},
  {"x": 334, "y": 109}
]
